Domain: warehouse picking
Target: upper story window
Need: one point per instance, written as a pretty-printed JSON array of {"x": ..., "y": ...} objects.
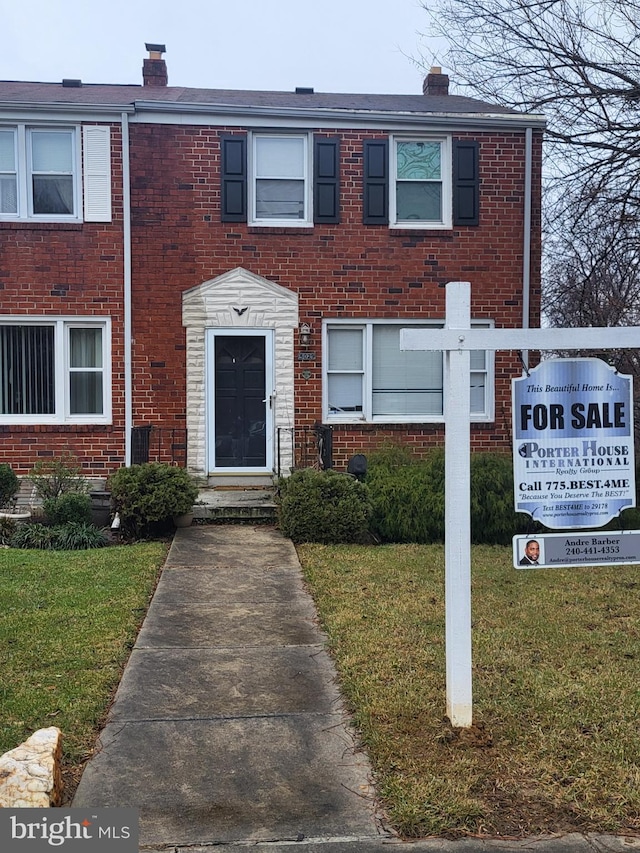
[
  {"x": 367, "y": 377},
  {"x": 280, "y": 179},
  {"x": 421, "y": 171},
  {"x": 54, "y": 371},
  {"x": 289, "y": 179},
  {"x": 421, "y": 182},
  {"x": 41, "y": 174}
]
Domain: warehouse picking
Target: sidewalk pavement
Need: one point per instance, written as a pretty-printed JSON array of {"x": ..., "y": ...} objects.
[{"x": 228, "y": 728}]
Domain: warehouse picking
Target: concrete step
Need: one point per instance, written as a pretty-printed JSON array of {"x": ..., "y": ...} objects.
[{"x": 235, "y": 505}]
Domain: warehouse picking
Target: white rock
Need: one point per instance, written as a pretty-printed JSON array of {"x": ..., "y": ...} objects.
[{"x": 30, "y": 775}]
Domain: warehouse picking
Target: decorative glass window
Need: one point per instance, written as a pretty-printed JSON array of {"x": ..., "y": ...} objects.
[
  {"x": 421, "y": 172},
  {"x": 369, "y": 378},
  {"x": 54, "y": 371},
  {"x": 280, "y": 180}
]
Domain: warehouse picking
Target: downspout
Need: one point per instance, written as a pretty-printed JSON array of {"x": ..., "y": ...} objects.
[
  {"x": 526, "y": 250},
  {"x": 126, "y": 238}
]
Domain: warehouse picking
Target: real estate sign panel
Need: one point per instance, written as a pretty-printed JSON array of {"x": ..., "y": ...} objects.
[{"x": 573, "y": 443}]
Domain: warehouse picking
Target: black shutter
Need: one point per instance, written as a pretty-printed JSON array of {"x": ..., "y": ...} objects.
[
  {"x": 466, "y": 183},
  {"x": 233, "y": 169},
  {"x": 326, "y": 179},
  {"x": 376, "y": 183}
]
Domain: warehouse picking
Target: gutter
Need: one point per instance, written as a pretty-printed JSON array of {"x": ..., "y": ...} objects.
[{"x": 126, "y": 240}]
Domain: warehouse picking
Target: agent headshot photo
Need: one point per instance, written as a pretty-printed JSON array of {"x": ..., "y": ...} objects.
[{"x": 531, "y": 553}]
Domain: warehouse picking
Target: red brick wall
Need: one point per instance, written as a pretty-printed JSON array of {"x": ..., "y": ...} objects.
[
  {"x": 348, "y": 270},
  {"x": 71, "y": 269}
]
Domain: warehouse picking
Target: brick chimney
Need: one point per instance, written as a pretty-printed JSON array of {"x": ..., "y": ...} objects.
[
  {"x": 436, "y": 83},
  {"x": 154, "y": 69}
]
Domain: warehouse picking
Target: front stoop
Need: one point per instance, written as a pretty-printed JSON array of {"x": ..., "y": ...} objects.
[{"x": 235, "y": 505}]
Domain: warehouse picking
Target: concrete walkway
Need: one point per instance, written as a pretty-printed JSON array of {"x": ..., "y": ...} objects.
[{"x": 228, "y": 729}]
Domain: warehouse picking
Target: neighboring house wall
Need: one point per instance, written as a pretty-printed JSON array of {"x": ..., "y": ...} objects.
[{"x": 67, "y": 272}]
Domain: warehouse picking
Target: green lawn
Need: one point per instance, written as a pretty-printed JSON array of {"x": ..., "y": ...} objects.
[
  {"x": 556, "y": 738},
  {"x": 69, "y": 620}
]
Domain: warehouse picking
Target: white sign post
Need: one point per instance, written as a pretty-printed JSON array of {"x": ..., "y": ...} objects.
[{"x": 456, "y": 341}]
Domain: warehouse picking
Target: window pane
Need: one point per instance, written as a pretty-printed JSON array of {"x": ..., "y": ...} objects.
[
  {"x": 419, "y": 161},
  {"x": 477, "y": 359},
  {"x": 419, "y": 202},
  {"x": 7, "y": 151},
  {"x": 281, "y": 157},
  {"x": 404, "y": 382},
  {"x": 27, "y": 383},
  {"x": 51, "y": 152},
  {"x": 345, "y": 392},
  {"x": 85, "y": 393},
  {"x": 8, "y": 195},
  {"x": 85, "y": 347},
  {"x": 52, "y": 194},
  {"x": 478, "y": 396},
  {"x": 345, "y": 349},
  {"x": 279, "y": 199}
]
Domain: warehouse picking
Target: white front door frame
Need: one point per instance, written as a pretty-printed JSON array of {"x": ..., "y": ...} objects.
[{"x": 210, "y": 338}]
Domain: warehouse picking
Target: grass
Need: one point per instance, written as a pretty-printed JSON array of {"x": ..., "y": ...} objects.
[
  {"x": 555, "y": 744},
  {"x": 69, "y": 620}
]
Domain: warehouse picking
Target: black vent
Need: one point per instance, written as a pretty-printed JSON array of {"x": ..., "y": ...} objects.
[
  {"x": 72, "y": 84},
  {"x": 304, "y": 90}
]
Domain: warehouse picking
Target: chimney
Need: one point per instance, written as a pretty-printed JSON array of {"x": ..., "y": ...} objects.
[
  {"x": 154, "y": 69},
  {"x": 436, "y": 83}
]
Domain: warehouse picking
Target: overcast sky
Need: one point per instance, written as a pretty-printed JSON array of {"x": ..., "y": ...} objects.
[{"x": 331, "y": 45}]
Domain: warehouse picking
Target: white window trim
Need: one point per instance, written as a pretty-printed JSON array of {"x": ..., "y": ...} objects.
[
  {"x": 24, "y": 173},
  {"x": 446, "y": 223},
  {"x": 366, "y": 415},
  {"x": 62, "y": 392},
  {"x": 307, "y": 222}
]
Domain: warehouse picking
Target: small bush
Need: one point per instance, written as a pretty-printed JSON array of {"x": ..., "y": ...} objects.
[
  {"x": 38, "y": 536},
  {"x": 407, "y": 495},
  {"x": 323, "y": 506},
  {"x": 68, "y": 507},
  {"x": 54, "y": 477},
  {"x": 9, "y": 484},
  {"x": 78, "y": 536},
  {"x": 147, "y": 496}
]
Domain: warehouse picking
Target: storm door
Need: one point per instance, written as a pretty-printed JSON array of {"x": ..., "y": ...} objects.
[{"x": 240, "y": 394}]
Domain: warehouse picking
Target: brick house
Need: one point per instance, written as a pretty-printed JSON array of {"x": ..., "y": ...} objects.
[{"x": 218, "y": 278}]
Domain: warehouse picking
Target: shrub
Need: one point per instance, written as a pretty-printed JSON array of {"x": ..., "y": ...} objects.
[
  {"x": 68, "y": 507},
  {"x": 74, "y": 536},
  {"x": 38, "y": 536},
  {"x": 9, "y": 484},
  {"x": 323, "y": 506},
  {"x": 147, "y": 496},
  {"x": 7, "y": 529},
  {"x": 408, "y": 497},
  {"x": 78, "y": 536},
  {"x": 54, "y": 477}
]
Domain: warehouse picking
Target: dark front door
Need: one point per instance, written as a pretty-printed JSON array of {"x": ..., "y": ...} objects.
[{"x": 240, "y": 407}]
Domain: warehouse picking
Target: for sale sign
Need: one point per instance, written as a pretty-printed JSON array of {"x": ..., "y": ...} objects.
[{"x": 573, "y": 443}]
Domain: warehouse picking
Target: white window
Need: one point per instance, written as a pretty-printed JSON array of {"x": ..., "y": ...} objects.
[
  {"x": 40, "y": 174},
  {"x": 55, "y": 371},
  {"x": 367, "y": 377},
  {"x": 421, "y": 182},
  {"x": 280, "y": 184}
]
